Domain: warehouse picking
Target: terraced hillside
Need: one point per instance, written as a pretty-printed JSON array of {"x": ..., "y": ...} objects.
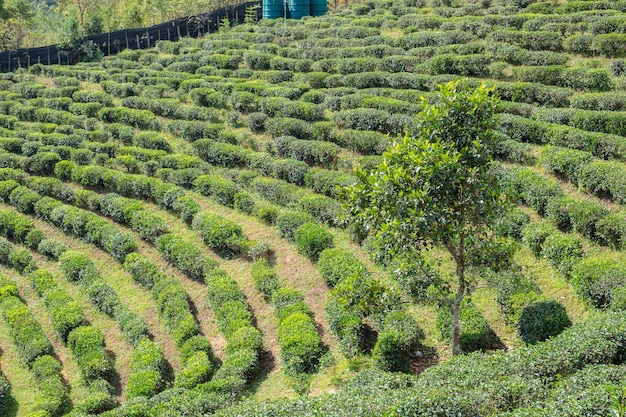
[{"x": 173, "y": 239}]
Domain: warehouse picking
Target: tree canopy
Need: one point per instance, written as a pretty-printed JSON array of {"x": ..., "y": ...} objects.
[{"x": 435, "y": 186}]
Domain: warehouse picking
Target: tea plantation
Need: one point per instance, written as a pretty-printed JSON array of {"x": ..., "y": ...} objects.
[{"x": 173, "y": 239}]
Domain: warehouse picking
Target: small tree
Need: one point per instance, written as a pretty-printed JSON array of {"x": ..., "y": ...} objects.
[{"x": 437, "y": 188}]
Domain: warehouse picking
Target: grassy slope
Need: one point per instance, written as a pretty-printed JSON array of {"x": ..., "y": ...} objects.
[{"x": 293, "y": 269}]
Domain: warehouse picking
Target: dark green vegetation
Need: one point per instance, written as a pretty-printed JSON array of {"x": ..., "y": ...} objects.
[{"x": 173, "y": 237}]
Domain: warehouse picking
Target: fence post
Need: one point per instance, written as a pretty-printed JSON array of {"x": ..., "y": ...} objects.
[
  {"x": 137, "y": 39},
  {"x": 48, "y": 50},
  {"x": 126, "y": 36},
  {"x": 148, "y": 37},
  {"x": 178, "y": 30}
]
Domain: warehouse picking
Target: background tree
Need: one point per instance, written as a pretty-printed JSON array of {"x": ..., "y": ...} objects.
[
  {"x": 435, "y": 188},
  {"x": 16, "y": 17}
]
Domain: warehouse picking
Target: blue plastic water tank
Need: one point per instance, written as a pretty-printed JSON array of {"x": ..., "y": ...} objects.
[
  {"x": 299, "y": 8},
  {"x": 318, "y": 7},
  {"x": 273, "y": 9}
]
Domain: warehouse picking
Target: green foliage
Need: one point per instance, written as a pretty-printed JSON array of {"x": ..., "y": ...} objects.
[
  {"x": 87, "y": 345},
  {"x": 300, "y": 344},
  {"x": 146, "y": 370},
  {"x": 419, "y": 215},
  {"x": 539, "y": 319},
  {"x": 26, "y": 333},
  {"x": 220, "y": 234},
  {"x": 184, "y": 255},
  {"x": 475, "y": 334},
  {"x": 336, "y": 264},
  {"x": 596, "y": 280},
  {"x": 221, "y": 189},
  {"x": 311, "y": 239},
  {"x": 198, "y": 369},
  {"x": 398, "y": 340},
  {"x": 562, "y": 251},
  {"x": 265, "y": 279}
]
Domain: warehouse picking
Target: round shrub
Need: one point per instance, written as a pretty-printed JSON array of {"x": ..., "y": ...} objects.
[
  {"x": 337, "y": 264},
  {"x": 399, "y": 338},
  {"x": 311, "y": 239},
  {"x": 534, "y": 235},
  {"x": 147, "y": 366},
  {"x": 87, "y": 345},
  {"x": 562, "y": 251},
  {"x": 221, "y": 189},
  {"x": 288, "y": 221},
  {"x": 541, "y": 319},
  {"x": 596, "y": 279},
  {"x": 265, "y": 279},
  {"x": 198, "y": 368},
  {"x": 299, "y": 343},
  {"x": 220, "y": 234}
]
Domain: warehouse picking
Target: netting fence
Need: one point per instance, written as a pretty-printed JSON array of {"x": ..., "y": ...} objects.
[{"x": 139, "y": 38}]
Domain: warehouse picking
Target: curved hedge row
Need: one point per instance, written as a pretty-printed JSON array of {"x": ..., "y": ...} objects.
[
  {"x": 299, "y": 342},
  {"x": 34, "y": 349},
  {"x": 78, "y": 268}
]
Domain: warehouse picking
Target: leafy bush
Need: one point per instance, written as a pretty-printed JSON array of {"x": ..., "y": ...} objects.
[
  {"x": 184, "y": 255},
  {"x": 65, "y": 313},
  {"x": 221, "y": 189},
  {"x": 288, "y": 126},
  {"x": 26, "y": 332},
  {"x": 87, "y": 345},
  {"x": 323, "y": 209},
  {"x": 147, "y": 366},
  {"x": 311, "y": 152},
  {"x": 288, "y": 221},
  {"x": 24, "y": 199},
  {"x": 399, "y": 339},
  {"x": 511, "y": 223},
  {"x": 47, "y": 372},
  {"x": 336, "y": 264},
  {"x": 265, "y": 279},
  {"x": 221, "y": 154},
  {"x": 311, "y": 239},
  {"x": 562, "y": 251},
  {"x": 299, "y": 342},
  {"x": 198, "y": 369},
  {"x": 533, "y": 188},
  {"x": 219, "y": 233},
  {"x": 538, "y": 318},
  {"x": 596, "y": 280},
  {"x": 227, "y": 302},
  {"x": 475, "y": 331}
]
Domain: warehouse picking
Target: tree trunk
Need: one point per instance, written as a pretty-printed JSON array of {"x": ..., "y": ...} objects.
[
  {"x": 456, "y": 328},
  {"x": 458, "y": 254}
]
